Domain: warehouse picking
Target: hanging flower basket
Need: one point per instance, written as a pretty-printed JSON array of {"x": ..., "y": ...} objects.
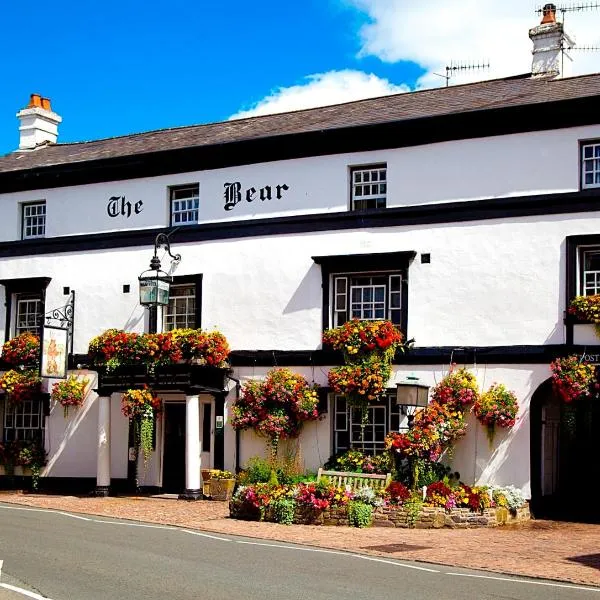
[
  {"x": 573, "y": 379},
  {"x": 458, "y": 389},
  {"x": 586, "y": 308},
  {"x": 141, "y": 407},
  {"x": 277, "y": 406},
  {"x": 22, "y": 350},
  {"x": 69, "y": 392},
  {"x": 498, "y": 407},
  {"x": 360, "y": 383},
  {"x": 20, "y": 385}
]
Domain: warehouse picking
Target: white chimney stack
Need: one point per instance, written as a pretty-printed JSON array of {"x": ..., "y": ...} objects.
[
  {"x": 550, "y": 42},
  {"x": 39, "y": 125}
]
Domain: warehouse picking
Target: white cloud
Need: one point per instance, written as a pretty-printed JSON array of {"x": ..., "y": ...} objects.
[
  {"x": 321, "y": 89},
  {"x": 433, "y": 33}
]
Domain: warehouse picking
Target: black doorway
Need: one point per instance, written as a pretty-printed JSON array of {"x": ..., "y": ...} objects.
[
  {"x": 174, "y": 451},
  {"x": 563, "y": 447}
]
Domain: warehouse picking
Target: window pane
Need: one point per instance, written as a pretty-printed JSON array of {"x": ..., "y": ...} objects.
[
  {"x": 181, "y": 311},
  {"x": 185, "y": 203}
]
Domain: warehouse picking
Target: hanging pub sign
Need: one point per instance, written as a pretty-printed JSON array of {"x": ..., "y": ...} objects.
[{"x": 55, "y": 350}]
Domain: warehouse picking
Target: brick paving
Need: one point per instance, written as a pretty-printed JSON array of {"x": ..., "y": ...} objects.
[{"x": 548, "y": 549}]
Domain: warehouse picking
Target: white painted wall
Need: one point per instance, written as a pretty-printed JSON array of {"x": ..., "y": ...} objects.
[
  {"x": 519, "y": 164},
  {"x": 497, "y": 282}
]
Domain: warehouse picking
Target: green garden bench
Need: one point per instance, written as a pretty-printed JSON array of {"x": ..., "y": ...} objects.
[{"x": 355, "y": 481}]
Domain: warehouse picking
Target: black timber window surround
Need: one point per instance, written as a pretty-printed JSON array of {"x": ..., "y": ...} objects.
[
  {"x": 25, "y": 304},
  {"x": 185, "y": 303},
  {"x": 33, "y": 220},
  {"x": 590, "y": 164},
  {"x": 365, "y": 286},
  {"x": 368, "y": 187},
  {"x": 24, "y": 421},
  {"x": 184, "y": 204}
]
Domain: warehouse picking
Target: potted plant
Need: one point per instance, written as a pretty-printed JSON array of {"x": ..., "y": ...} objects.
[
  {"x": 22, "y": 350},
  {"x": 219, "y": 485},
  {"x": 20, "y": 385}
]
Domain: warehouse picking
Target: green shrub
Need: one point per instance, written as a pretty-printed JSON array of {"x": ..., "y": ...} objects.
[
  {"x": 283, "y": 510},
  {"x": 256, "y": 470},
  {"x": 360, "y": 514}
]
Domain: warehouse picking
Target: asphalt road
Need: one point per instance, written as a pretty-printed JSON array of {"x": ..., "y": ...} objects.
[{"x": 71, "y": 557}]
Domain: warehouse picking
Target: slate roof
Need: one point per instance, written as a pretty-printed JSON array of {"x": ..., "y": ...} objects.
[{"x": 499, "y": 93}]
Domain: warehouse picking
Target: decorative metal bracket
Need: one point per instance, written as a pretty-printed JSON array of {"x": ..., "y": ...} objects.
[{"x": 63, "y": 317}]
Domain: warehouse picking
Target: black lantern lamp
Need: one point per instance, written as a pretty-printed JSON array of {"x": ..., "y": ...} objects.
[
  {"x": 155, "y": 283},
  {"x": 411, "y": 396}
]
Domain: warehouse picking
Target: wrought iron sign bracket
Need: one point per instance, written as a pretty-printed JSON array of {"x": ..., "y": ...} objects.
[{"x": 63, "y": 317}]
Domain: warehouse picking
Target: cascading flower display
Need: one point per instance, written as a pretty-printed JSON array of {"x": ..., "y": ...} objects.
[
  {"x": 368, "y": 348},
  {"x": 20, "y": 385},
  {"x": 498, "y": 407},
  {"x": 115, "y": 348},
  {"x": 141, "y": 407},
  {"x": 69, "y": 392},
  {"x": 23, "y": 349},
  {"x": 277, "y": 406},
  {"x": 573, "y": 379}
]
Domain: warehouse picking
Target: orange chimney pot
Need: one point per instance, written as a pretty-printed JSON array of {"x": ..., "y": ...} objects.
[
  {"x": 35, "y": 101},
  {"x": 549, "y": 14},
  {"x": 46, "y": 103}
]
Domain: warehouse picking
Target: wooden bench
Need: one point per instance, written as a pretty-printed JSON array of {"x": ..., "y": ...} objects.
[{"x": 355, "y": 481}]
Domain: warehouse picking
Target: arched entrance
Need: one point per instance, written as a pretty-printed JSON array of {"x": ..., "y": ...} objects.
[{"x": 564, "y": 461}]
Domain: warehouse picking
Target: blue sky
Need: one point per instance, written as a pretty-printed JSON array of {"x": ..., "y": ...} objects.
[{"x": 117, "y": 67}]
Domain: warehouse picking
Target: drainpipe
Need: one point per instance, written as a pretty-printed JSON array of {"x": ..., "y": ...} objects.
[{"x": 238, "y": 387}]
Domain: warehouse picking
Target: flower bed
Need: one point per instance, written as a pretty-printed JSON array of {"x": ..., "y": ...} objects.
[{"x": 460, "y": 506}]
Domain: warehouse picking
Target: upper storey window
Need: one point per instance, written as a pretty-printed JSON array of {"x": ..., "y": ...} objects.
[
  {"x": 369, "y": 187},
  {"x": 185, "y": 202},
  {"x": 33, "y": 219},
  {"x": 590, "y": 165}
]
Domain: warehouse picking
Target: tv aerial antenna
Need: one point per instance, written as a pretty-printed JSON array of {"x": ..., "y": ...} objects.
[
  {"x": 455, "y": 67},
  {"x": 565, "y": 9}
]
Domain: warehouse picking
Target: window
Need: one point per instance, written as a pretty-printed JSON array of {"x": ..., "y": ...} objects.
[
  {"x": 24, "y": 421},
  {"x": 590, "y": 165},
  {"x": 29, "y": 312},
  {"x": 383, "y": 417},
  {"x": 33, "y": 220},
  {"x": 365, "y": 286},
  {"x": 369, "y": 187},
  {"x": 185, "y": 201},
  {"x": 367, "y": 297},
  {"x": 589, "y": 271},
  {"x": 181, "y": 310}
]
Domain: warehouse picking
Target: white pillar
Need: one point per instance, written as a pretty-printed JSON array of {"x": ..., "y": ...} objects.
[
  {"x": 103, "y": 464},
  {"x": 193, "y": 489}
]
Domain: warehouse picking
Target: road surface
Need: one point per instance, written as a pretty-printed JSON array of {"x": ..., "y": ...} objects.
[{"x": 64, "y": 556}]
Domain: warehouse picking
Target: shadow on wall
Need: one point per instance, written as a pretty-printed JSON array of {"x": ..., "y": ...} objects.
[{"x": 307, "y": 294}]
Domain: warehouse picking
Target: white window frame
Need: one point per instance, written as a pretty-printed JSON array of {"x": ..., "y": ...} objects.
[
  {"x": 368, "y": 185},
  {"x": 185, "y": 210},
  {"x": 583, "y": 287},
  {"x": 170, "y": 313},
  {"x": 26, "y": 300},
  {"x": 590, "y": 165},
  {"x": 33, "y": 220},
  {"x": 15, "y": 417},
  {"x": 341, "y": 296}
]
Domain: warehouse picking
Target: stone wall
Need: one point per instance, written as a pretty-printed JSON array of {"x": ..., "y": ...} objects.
[{"x": 428, "y": 517}]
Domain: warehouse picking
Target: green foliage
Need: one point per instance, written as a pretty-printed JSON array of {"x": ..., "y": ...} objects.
[
  {"x": 283, "y": 510},
  {"x": 413, "y": 508},
  {"x": 273, "y": 478},
  {"x": 146, "y": 434},
  {"x": 257, "y": 470},
  {"x": 355, "y": 461},
  {"x": 360, "y": 514}
]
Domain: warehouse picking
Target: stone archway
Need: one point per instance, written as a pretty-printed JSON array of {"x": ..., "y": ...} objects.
[{"x": 564, "y": 461}]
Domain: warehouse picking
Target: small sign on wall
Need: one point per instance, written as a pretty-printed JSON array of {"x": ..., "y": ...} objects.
[
  {"x": 219, "y": 422},
  {"x": 54, "y": 352}
]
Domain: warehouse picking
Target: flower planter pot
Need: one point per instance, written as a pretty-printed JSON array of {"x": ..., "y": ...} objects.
[{"x": 220, "y": 489}]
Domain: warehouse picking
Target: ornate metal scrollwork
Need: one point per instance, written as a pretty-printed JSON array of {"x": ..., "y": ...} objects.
[{"x": 63, "y": 317}]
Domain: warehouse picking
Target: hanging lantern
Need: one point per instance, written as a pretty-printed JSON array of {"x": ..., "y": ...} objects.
[
  {"x": 155, "y": 283},
  {"x": 411, "y": 393}
]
